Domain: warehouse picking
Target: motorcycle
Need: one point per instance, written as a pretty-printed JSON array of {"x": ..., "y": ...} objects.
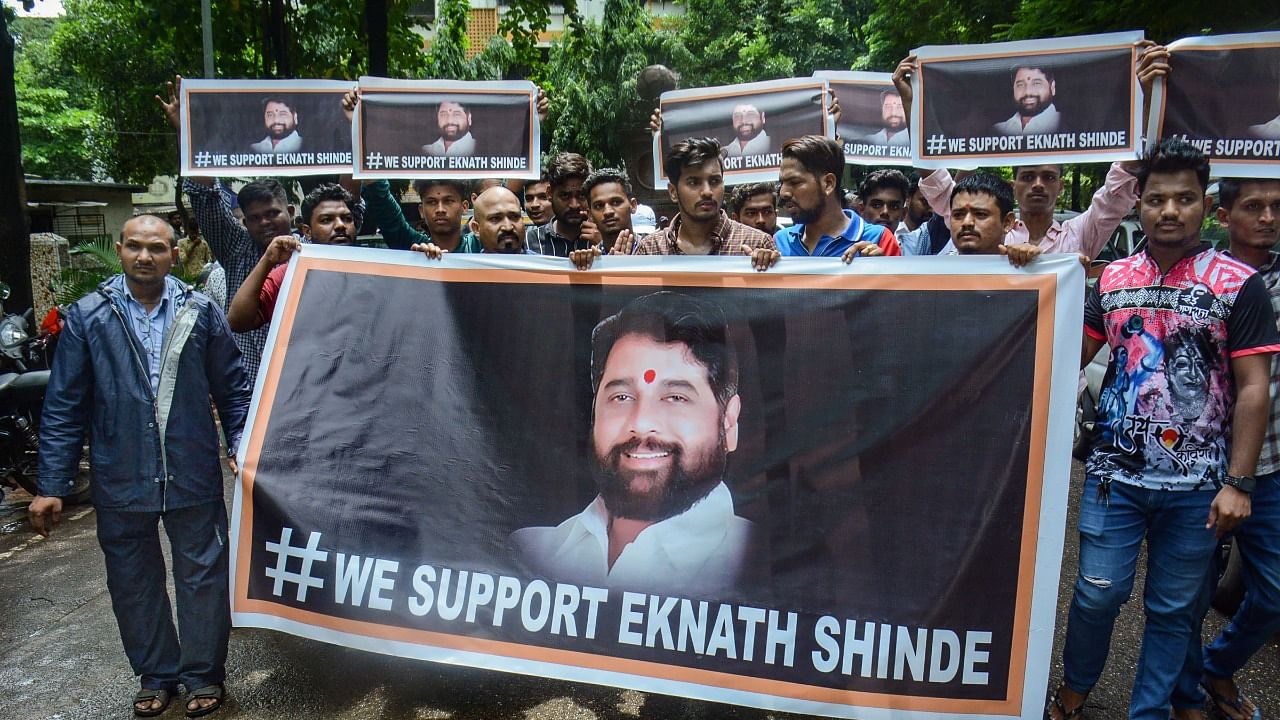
[{"x": 24, "y": 375}]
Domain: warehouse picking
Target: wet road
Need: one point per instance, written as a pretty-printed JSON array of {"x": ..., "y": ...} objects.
[{"x": 60, "y": 657}]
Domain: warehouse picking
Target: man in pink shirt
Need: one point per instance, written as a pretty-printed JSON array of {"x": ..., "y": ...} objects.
[{"x": 1037, "y": 188}]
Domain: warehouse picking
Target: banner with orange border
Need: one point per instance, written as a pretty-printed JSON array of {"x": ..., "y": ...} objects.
[
  {"x": 1028, "y": 102},
  {"x": 251, "y": 128},
  {"x": 828, "y": 489},
  {"x": 750, "y": 121},
  {"x": 1223, "y": 95}
]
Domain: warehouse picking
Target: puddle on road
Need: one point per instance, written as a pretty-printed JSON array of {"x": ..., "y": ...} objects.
[{"x": 13, "y": 511}]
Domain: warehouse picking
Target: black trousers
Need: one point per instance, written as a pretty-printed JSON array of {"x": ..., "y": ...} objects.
[{"x": 195, "y": 653}]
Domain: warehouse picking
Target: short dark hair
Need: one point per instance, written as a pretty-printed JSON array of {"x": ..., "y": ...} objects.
[
  {"x": 1174, "y": 155},
  {"x": 1048, "y": 71},
  {"x": 324, "y": 193},
  {"x": 743, "y": 193},
  {"x": 466, "y": 107},
  {"x": 987, "y": 184},
  {"x": 1018, "y": 168},
  {"x": 886, "y": 179},
  {"x": 604, "y": 176},
  {"x": 1229, "y": 189},
  {"x": 567, "y": 166},
  {"x": 280, "y": 100},
  {"x": 261, "y": 191},
  {"x": 422, "y": 186},
  {"x": 670, "y": 317},
  {"x": 890, "y": 92},
  {"x": 151, "y": 217},
  {"x": 818, "y": 154},
  {"x": 913, "y": 183},
  {"x": 686, "y": 153}
]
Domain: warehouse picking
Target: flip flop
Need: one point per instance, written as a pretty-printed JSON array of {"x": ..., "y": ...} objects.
[
  {"x": 1236, "y": 704},
  {"x": 213, "y": 692},
  {"x": 147, "y": 695},
  {"x": 1055, "y": 703}
]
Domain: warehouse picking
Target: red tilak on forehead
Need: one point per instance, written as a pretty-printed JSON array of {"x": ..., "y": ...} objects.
[{"x": 649, "y": 375}]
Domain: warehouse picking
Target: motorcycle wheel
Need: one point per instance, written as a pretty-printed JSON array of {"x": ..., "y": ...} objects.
[{"x": 80, "y": 492}]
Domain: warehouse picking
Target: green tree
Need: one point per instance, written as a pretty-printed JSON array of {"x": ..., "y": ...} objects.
[
  {"x": 53, "y": 112},
  {"x": 125, "y": 50},
  {"x": 1163, "y": 20},
  {"x": 747, "y": 40},
  {"x": 448, "y": 55},
  {"x": 590, "y": 76},
  {"x": 897, "y": 26}
]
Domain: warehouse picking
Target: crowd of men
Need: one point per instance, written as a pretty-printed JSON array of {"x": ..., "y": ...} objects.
[{"x": 139, "y": 357}]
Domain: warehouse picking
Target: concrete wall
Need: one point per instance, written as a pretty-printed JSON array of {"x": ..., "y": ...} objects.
[{"x": 49, "y": 255}]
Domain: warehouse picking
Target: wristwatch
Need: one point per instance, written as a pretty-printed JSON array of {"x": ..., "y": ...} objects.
[{"x": 1243, "y": 483}]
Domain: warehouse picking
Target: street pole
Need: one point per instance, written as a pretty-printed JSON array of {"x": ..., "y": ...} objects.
[{"x": 206, "y": 24}]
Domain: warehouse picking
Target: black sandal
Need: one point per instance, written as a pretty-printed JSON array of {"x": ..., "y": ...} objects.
[
  {"x": 146, "y": 695},
  {"x": 211, "y": 692},
  {"x": 1055, "y": 703}
]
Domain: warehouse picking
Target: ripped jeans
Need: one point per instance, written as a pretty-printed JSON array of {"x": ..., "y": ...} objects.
[{"x": 1179, "y": 550}]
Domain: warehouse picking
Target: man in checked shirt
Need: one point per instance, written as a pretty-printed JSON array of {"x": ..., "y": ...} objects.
[
  {"x": 696, "y": 179},
  {"x": 239, "y": 245}
]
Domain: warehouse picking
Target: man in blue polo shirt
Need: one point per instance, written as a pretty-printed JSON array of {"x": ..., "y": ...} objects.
[{"x": 810, "y": 193}]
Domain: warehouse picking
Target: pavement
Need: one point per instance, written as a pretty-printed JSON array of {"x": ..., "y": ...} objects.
[{"x": 60, "y": 656}]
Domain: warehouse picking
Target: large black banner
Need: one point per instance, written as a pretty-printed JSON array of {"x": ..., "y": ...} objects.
[{"x": 817, "y": 491}]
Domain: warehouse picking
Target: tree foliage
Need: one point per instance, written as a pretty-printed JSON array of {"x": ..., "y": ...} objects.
[
  {"x": 1163, "y": 20},
  {"x": 125, "y": 50},
  {"x": 54, "y": 113},
  {"x": 591, "y": 76},
  {"x": 895, "y": 27},
  {"x": 747, "y": 40}
]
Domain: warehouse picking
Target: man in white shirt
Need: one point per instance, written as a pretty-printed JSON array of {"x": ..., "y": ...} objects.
[
  {"x": 1033, "y": 94},
  {"x": 894, "y": 117},
  {"x": 281, "y": 119},
  {"x": 664, "y": 420},
  {"x": 1269, "y": 130},
  {"x": 454, "y": 120},
  {"x": 750, "y": 138}
]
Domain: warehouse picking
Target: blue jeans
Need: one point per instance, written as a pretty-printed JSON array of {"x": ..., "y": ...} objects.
[
  {"x": 136, "y": 581},
  {"x": 1179, "y": 549},
  {"x": 1258, "y": 617}
]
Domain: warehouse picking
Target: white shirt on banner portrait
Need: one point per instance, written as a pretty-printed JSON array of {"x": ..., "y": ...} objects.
[
  {"x": 465, "y": 145},
  {"x": 702, "y": 551},
  {"x": 758, "y": 145},
  {"x": 1268, "y": 130},
  {"x": 288, "y": 144},
  {"x": 902, "y": 137},
  {"x": 1046, "y": 121}
]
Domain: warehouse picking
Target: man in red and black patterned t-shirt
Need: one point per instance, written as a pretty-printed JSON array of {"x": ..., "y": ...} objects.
[{"x": 1181, "y": 418}]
